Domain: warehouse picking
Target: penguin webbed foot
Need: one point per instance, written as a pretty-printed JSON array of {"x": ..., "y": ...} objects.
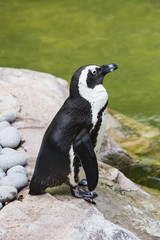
[
  {"x": 83, "y": 182},
  {"x": 82, "y": 193}
]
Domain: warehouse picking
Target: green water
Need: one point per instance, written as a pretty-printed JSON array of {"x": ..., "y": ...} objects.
[
  {"x": 145, "y": 172},
  {"x": 60, "y": 36}
]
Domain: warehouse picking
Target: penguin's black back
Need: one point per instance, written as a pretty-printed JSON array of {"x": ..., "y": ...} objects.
[{"x": 53, "y": 162}]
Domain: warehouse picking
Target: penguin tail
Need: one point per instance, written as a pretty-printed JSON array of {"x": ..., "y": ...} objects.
[{"x": 36, "y": 188}]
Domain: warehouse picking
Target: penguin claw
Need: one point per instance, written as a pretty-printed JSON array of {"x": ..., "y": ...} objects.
[
  {"x": 87, "y": 193},
  {"x": 83, "y": 182},
  {"x": 90, "y": 200},
  {"x": 82, "y": 193}
]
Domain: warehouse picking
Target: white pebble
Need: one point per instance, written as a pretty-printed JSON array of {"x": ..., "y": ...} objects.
[
  {"x": 7, "y": 193},
  {"x": 2, "y": 173},
  {"x": 10, "y": 137},
  {"x": 4, "y": 124},
  {"x": 8, "y": 150},
  {"x": 16, "y": 180},
  {"x": 10, "y": 158},
  {"x": 1, "y": 170},
  {"x": 17, "y": 169},
  {"x": 8, "y": 116},
  {"x": 1, "y": 205}
]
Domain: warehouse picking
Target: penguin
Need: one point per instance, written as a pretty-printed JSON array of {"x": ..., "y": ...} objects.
[{"x": 74, "y": 137}]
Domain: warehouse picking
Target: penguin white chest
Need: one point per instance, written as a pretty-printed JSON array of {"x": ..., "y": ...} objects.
[
  {"x": 98, "y": 117},
  {"x": 97, "y": 97}
]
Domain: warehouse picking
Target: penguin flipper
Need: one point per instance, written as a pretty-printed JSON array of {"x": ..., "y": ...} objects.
[
  {"x": 83, "y": 148},
  {"x": 36, "y": 188}
]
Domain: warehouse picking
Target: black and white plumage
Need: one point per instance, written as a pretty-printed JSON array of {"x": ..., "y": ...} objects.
[{"x": 74, "y": 136}]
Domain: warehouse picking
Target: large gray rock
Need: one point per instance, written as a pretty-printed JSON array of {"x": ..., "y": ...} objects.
[
  {"x": 7, "y": 101},
  {"x": 96, "y": 227},
  {"x": 111, "y": 153},
  {"x": 7, "y": 193},
  {"x": 9, "y": 137},
  {"x": 112, "y": 175},
  {"x": 47, "y": 218},
  {"x": 16, "y": 180},
  {"x": 17, "y": 169},
  {"x": 31, "y": 91},
  {"x": 125, "y": 203},
  {"x": 10, "y": 158}
]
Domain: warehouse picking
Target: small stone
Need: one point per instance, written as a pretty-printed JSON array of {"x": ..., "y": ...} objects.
[
  {"x": 10, "y": 158},
  {"x": 1, "y": 170},
  {"x": 1, "y": 205},
  {"x": 7, "y": 193},
  {"x": 8, "y": 116},
  {"x": 0, "y": 148},
  {"x": 8, "y": 150},
  {"x": 16, "y": 180},
  {"x": 2, "y": 173},
  {"x": 10, "y": 137},
  {"x": 3, "y": 125},
  {"x": 17, "y": 169}
]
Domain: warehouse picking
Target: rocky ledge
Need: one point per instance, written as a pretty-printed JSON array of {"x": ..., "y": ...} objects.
[{"x": 123, "y": 210}]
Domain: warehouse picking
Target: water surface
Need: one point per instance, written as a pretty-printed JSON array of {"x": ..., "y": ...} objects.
[{"x": 60, "y": 36}]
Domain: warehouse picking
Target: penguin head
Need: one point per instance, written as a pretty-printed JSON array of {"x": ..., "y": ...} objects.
[{"x": 89, "y": 77}]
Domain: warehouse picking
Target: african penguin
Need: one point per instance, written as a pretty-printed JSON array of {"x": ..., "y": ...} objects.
[{"x": 74, "y": 137}]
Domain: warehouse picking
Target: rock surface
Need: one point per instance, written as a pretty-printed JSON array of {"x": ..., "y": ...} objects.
[
  {"x": 47, "y": 218},
  {"x": 9, "y": 137},
  {"x": 10, "y": 158},
  {"x": 7, "y": 193},
  {"x": 16, "y": 180},
  {"x": 111, "y": 153},
  {"x": 38, "y": 89},
  {"x": 108, "y": 173},
  {"x": 133, "y": 136}
]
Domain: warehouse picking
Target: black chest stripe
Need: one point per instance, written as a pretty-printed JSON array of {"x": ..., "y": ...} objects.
[{"x": 94, "y": 132}]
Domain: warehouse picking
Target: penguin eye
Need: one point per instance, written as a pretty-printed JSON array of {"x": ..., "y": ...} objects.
[{"x": 94, "y": 72}]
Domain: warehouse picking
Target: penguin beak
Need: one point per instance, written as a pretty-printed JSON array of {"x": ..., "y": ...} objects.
[{"x": 108, "y": 68}]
